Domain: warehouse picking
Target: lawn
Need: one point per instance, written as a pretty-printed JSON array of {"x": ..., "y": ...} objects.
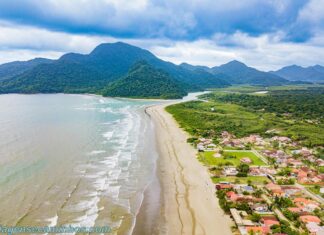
[
  {"x": 241, "y": 180},
  {"x": 229, "y": 158}
]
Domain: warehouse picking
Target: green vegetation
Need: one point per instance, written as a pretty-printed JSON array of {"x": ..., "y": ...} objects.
[
  {"x": 286, "y": 181},
  {"x": 283, "y": 202},
  {"x": 315, "y": 189},
  {"x": 92, "y": 73},
  {"x": 209, "y": 119},
  {"x": 144, "y": 81},
  {"x": 243, "y": 170},
  {"x": 283, "y": 228},
  {"x": 229, "y": 158},
  {"x": 302, "y": 103},
  {"x": 242, "y": 180}
]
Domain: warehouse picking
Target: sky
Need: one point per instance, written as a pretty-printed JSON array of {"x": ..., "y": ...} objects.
[{"x": 265, "y": 34}]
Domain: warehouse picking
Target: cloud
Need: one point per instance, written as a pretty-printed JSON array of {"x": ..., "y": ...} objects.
[
  {"x": 267, "y": 34},
  {"x": 266, "y": 51},
  {"x": 173, "y": 19}
]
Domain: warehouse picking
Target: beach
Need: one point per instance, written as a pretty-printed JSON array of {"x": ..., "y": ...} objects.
[{"x": 188, "y": 204}]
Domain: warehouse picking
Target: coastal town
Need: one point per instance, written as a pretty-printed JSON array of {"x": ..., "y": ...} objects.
[{"x": 267, "y": 185}]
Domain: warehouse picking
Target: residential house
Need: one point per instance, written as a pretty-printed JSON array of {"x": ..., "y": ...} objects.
[
  {"x": 260, "y": 208},
  {"x": 224, "y": 185},
  {"x": 310, "y": 219},
  {"x": 246, "y": 160},
  {"x": 315, "y": 229},
  {"x": 229, "y": 171},
  {"x": 306, "y": 205}
]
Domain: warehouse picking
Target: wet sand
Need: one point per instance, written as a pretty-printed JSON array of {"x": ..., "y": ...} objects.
[{"x": 188, "y": 204}]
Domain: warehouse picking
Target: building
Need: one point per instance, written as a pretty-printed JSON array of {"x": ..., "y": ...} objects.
[
  {"x": 246, "y": 160},
  {"x": 229, "y": 171},
  {"x": 260, "y": 208},
  {"x": 310, "y": 219}
]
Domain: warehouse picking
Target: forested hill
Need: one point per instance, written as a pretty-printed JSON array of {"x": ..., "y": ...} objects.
[
  {"x": 144, "y": 81},
  {"x": 77, "y": 73}
]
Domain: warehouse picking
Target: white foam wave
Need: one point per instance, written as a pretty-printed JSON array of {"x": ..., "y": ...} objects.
[
  {"x": 96, "y": 152},
  {"x": 108, "y": 135}
]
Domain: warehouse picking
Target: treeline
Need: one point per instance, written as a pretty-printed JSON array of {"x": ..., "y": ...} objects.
[{"x": 305, "y": 104}]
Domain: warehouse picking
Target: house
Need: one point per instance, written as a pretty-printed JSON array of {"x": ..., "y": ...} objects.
[
  {"x": 267, "y": 222},
  {"x": 306, "y": 205},
  {"x": 294, "y": 163},
  {"x": 261, "y": 171},
  {"x": 200, "y": 147},
  {"x": 260, "y": 208},
  {"x": 246, "y": 160},
  {"x": 224, "y": 185},
  {"x": 275, "y": 189},
  {"x": 281, "y": 139},
  {"x": 315, "y": 229},
  {"x": 272, "y": 186},
  {"x": 309, "y": 219},
  {"x": 247, "y": 188},
  {"x": 226, "y": 134},
  {"x": 210, "y": 147},
  {"x": 296, "y": 210},
  {"x": 290, "y": 190},
  {"x": 319, "y": 162},
  {"x": 231, "y": 195},
  {"x": 229, "y": 171}
]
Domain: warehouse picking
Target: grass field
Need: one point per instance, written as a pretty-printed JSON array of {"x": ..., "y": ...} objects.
[
  {"x": 232, "y": 157},
  {"x": 242, "y": 180}
]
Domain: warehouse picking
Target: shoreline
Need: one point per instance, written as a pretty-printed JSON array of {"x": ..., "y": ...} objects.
[{"x": 188, "y": 204}]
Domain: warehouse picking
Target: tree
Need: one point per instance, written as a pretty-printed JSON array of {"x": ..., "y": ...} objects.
[
  {"x": 257, "y": 193},
  {"x": 243, "y": 170},
  {"x": 255, "y": 217}
]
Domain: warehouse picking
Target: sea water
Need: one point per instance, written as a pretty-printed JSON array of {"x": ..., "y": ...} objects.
[{"x": 74, "y": 160}]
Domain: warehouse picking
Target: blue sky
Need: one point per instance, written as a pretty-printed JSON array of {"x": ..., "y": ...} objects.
[{"x": 266, "y": 34}]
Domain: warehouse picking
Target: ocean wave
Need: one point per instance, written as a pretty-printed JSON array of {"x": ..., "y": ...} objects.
[
  {"x": 108, "y": 135},
  {"x": 96, "y": 152}
]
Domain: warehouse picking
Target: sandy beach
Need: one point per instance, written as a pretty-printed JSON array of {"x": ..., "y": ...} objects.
[{"x": 187, "y": 197}]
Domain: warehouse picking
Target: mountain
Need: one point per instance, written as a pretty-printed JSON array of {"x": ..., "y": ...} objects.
[
  {"x": 295, "y": 72},
  {"x": 77, "y": 73},
  {"x": 145, "y": 81},
  {"x": 239, "y": 73},
  {"x": 194, "y": 67},
  {"x": 12, "y": 69}
]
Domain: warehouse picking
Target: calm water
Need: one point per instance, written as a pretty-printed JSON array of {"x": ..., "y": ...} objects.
[{"x": 73, "y": 159}]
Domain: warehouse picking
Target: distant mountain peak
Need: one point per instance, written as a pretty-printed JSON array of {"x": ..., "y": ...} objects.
[
  {"x": 299, "y": 73},
  {"x": 236, "y": 62}
]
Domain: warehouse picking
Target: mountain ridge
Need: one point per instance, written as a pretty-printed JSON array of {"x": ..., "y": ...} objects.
[
  {"x": 109, "y": 62},
  {"x": 295, "y": 72}
]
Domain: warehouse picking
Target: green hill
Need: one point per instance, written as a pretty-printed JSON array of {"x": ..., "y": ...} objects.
[
  {"x": 145, "y": 81},
  {"x": 91, "y": 73}
]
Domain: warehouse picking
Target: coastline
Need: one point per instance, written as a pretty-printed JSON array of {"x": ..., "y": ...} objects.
[{"x": 188, "y": 204}]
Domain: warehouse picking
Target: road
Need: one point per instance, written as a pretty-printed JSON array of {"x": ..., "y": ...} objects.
[{"x": 312, "y": 195}]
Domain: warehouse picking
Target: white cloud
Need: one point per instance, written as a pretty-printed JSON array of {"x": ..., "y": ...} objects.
[{"x": 266, "y": 52}]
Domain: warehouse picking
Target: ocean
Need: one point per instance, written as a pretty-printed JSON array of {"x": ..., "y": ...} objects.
[{"x": 75, "y": 160}]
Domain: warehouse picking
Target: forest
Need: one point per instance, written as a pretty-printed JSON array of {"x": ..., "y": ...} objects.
[{"x": 300, "y": 103}]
